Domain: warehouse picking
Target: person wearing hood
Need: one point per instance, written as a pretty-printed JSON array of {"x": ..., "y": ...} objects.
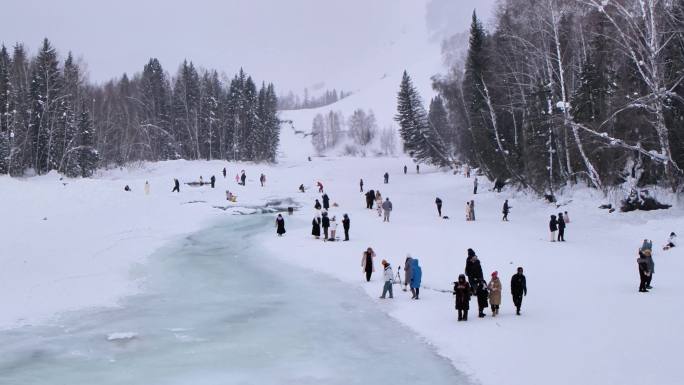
[
  {"x": 316, "y": 226},
  {"x": 361, "y": 184},
  {"x": 647, "y": 251},
  {"x": 473, "y": 269},
  {"x": 561, "y": 228},
  {"x": 553, "y": 227},
  {"x": 325, "y": 222},
  {"x": 495, "y": 293},
  {"x": 370, "y": 199},
  {"x": 388, "y": 276},
  {"x": 280, "y": 225},
  {"x": 386, "y": 176},
  {"x": 326, "y": 201},
  {"x": 387, "y": 209},
  {"x": 317, "y": 205},
  {"x": 367, "y": 263},
  {"x": 644, "y": 272},
  {"x": 333, "y": 229},
  {"x": 212, "y": 180},
  {"x": 345, "y": 225},
  {"x": 506, "y": 210},
  {"x": 243, "y": 178},
  {"x": 416, "y": 276},
  {"x": 518, "y": 289},
  {"x": 438, "y": 202},
  {"x": 407, "y": 272},
  {"x": 482, "y": 297},
  {"x": 462, "y": 292}
]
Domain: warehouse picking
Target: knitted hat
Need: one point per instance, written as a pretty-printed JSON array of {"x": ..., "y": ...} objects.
[{"x": 494, "y": 274}]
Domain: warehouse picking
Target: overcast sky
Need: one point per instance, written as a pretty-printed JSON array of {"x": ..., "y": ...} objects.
[{"x": 294, "y": 43}]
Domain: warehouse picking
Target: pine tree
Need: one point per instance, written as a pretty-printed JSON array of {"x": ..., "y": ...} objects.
[
  {"x": 67, "y": 130},
  {"x": 20, "y": 108},
  {"x": 5, "y": 97},
  {"x": 88, "y": 155},
  {"x": 437, "y": 116},
  {"x": 273, "y": 123},
  {"x": 186, "y": 105},
  {"x": 421, "y": 140},
  {"x": 156, "y": 117}
]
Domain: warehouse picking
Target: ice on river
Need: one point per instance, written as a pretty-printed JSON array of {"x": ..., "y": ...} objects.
[{"x": 216, "y": 310}]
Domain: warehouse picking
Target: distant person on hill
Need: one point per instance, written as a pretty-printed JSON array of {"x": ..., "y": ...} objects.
[
  {"x": 644, "y": 272},
  {"x": 407, "y": 272},
  {"x": 361, "y": 185},
  {"x": 243, "y": 178},
  {"x": 553, "y": 227},
  {"x": 280, "y": 225},
  {"x": 317, "y": 205},
  {"x": 495, "y": 293},
  {"x": 320, "y": 186},
  {"x": 518, "y": 289},
  {"x": 147, "y": 188},
  {"x": 561, "y": 228},
  {"x": 482, "y": 297},
  {"x": 262, "y": 179},
  {"x": 386, "y": 176},
  {"x": 388, "y": 276},
  {"x": 467, "y": 171},
  {"x": 671, "y": 241},
  {"x": 346, "y": 223},
  {"x": 475, "y": 185},
  {"x": 301, "y": 188},
  {"x": 387, "y": 209},
  {"x": 462, "y": 291},
  {"x": 325, "y": 222},
  {"x": 326, "y": 201},
  {"x": 367, "y": 263},
  {"x": 176, "y": 186},
  {"x": 473, "y": 269},
  {"x": 213, "y": 181},
  {"x": 224, "y": 172},
  {"x": 416, "y": 275},
  {"x": 316, "y": 226},
  {"x": 506, "y": 210},
  {"x": 405, "y": 169},
  {"x": 417, "y": 169},
  {"x": 438, "y": 202}
]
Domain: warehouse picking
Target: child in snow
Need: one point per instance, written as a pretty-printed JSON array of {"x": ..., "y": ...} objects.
[
  {"x": 566, "y": 217},
  {"x": 462, "y": 293},
  {"x": 388, "y": 276},
  {"x": 671, "y": 241},
  {"x": 367, "y": 263},
  {"x": 320, "y": 187},
  {"x": 495, "y": 293}
]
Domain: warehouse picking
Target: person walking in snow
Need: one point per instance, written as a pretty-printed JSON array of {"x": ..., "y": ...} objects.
[
  {"x": 462, "y": 291},
  {"x": 475, "y": 185},
  {"x": 262, "y": 179},
  {"x": 647, "y": 251},
  {"x": 280, "y": 225},
  {"x": 320, "y": 187},
  {"x": 644, "y": 272},
  {"x": 386, "y": 176},
  {"x": 345, "y": 225},
  {"x": 317, "y": 205},
  {"x": 473, "y": 269},
  {"x": 367, "y": 263},
  {"x": 671, "y": 241},
  {"x": 316, "y": 226},
  {"x": 224, "y": 172},
  {"x": 243, "y": 178},
  {"x": 438, "y": 202},
  {"x": 518, "y": 289},
  {"x": 387, "y": 209},
  {"x": 472, "y": 210},
  {"x": 301, "y": 188},
  {"x": 416, "y": 275},
  {"x": 561, "y": 228},
  {"x": 378, "y": 202},
  {"x": 405, "y": 169},
  {"x": 467, "y": 211},
  {"x": 417, "y": 169},
  {"x": 495, "y": 293},
  {"x": 371, "y": 198},
  {"x": 147, "y": 188},
  {"x": 553, "y": 227},
  {"x": 482, "y": 297},
  {"x": 326, "y": 201},
  {"x": 325, "y": 222},
  {"x": 176, "y": 186},
  {"x": 388, "y": 276},
  {"x": 361, "y": 184},
  {"x": 506, "y": 209},
  {"x": 213, "y": 181},
  {"x": 333, "y": 229},
  {"x": 407, "y": 272}
]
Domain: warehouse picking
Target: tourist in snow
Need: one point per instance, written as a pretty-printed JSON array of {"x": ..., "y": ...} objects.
[
  {"x": 553, "y": 227},
  {"x": 320, "y": 187},
  {"x": 386, "y": 176},
  {"x": 495, "y": 293},
  {"x": 326, "y": 201},
  {"x": 407, "y": 272},
  {"x": 388, "y": 276},
  {"x": 367, "y": 263},
  {"x": 416, "y": 275},
  {"x": 280, "y": 225},
  {"x": 475, "y": 186},
  {"x": 386, "y": 208},
  {"x": 482, "y": 297},
  {"x": 472, "y": 210},
  {"x": 438, "y": 202},
  {"x": 325, "y": 222},
  {"x": 301, "y": 188},
  {"x": 561, "y": 228},
  {"x": 333, "y": 228},
  {"x": 127, "y": 188},
  {"x": 201, "y": 181},
  {"x": 262, "y": 179},
  {"x": 345, "y": 225},
  {"x": 147, "y": 188},
  {"x": 417, "y": 169},
  {"x": 317, "y": 205},
  {"x": 467, "y": 171},
  {"x": 462, "y": 292},
  {"x": 316, "y": 226},
  {"x": 361, "y": 184},
  {"x": 237, "y": 178},
  {"x": 213, "y": 181},
  {"x": 644, "y": 272},
  {"x": 224, "y": 172},
  {"x": 176, "y": 186},
  {"x": 518, "y": 289},
  {"x": 405, "y": 169},
  {"x": 473, "y": 269},
  {"x": 647, "y": 251},
  {"x": 243, "y": 178},
  {"x": 506, "y": 210},
  {"x": 566, "y": 217},
  {"x": 467, "y": 211},
  {"x": 371, "y": 198},
  {"x": 378, "y": 202},
  {"x": 671, "y": 241}
]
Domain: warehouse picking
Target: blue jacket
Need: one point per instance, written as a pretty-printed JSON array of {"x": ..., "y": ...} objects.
[{"x": 416, "y": 274}]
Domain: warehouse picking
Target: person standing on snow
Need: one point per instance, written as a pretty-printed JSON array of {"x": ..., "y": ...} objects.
[
  {"x": 325, "y": 222},
  {"x": 553, "y": 227},
  {"x": 506, "y": 209},
  {"x": 495, "y": 293},
  {"x": 467, "y": 210},
  {"x": 388, "y": 276},
  {"x": 147, "y": 188},
  {"x": 566, "y": 217},
  {"x": 201, "y": 182},
  {"x": 647, "y": 251},
  {"x": 387, "y": 208},
  {"x": 367, "y": 263},
  {"x": 280, "y": 225},
  {"x": 462, "y": 292},
  {"x": 213, "y": 181},
  {"x": 345, "y": 225},
  {"x": 416, "y": 275},
  {"x": 482, "y": 297},
  {"x": 405, "y": 169},
  {"x": 262, "y": 179},
  {"x": 378, "y": 202},
  {"x": 644, "y": 272},
  {"x": 473, "y": 269},
  {"x": 475, "y": 185},
  {"x": 386, "y": 176},
  {"x": 472, "y": 210},
  {"x": 561, "y": 228},
  {"x": 320, "y": 187},
  {"x": 361, "y": 184},
  {"x": 326, "y": 201},
  {"x": 438, "y": 202},
  {"x": 417, "y": 169},
  {"x": 317, "y": 205},
  {"x": 333, "y": 229},
  {"x": 224, "y": 172},
  {"x": 407, "y": 272},
  {"x": 243, "y": 178},
  {"x": 316, "y": 226},
  {"x": 371, "y": 198},
  {"x": 518, "y": 289},
  {"x": 176, "y": 186}
]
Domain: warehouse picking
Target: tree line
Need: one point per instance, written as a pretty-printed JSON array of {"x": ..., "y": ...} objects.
[
  {"x": 565, "y": 92},
  {"x": 52, "y": 118},
  {"x": 294, "y": 102},
  {"x": 357, "y": 133}
]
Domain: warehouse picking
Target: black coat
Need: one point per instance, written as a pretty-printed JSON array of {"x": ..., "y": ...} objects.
[
  {"x": 316, "y": 227},
  {"x": 561, "y": 223},
  {"x": 317, "y": 205},
  {"x": 505, "y": 208},
  {"x": 553, "y": 225},
  {"x": 326, "y": 221},
  {"x": 518, "y": 284},
  {"x": 345, "y": 223},
  {"x": 438, "y": 202},
  {"x": 462, "y": 293},
  {"x": 326, "y": 201},
  {"x": 482, "y": 295},
  {"x": 280, "y": 222},
  {"x": 473, "y": 269}
]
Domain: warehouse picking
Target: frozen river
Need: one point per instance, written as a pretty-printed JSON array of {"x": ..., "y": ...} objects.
[{"x": 215, "y": 310}]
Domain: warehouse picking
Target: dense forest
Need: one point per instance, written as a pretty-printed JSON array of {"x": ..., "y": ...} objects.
[
  {"x": 565, "y": 92},
  {"x": 294, "y": 102},
  {"x": 52, "y": 118}
]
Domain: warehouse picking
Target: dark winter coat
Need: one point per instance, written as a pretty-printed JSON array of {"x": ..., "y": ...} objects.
[
  {"x": 553, "y": 224},
  {"x": 482, "y": 294},
  {"x": 317, "y": 205},
  {"x": 518, "y": 284},
  {"x": 243, "y": 178},
  {"x": 473, "y": 268},
  {"x": 280, "y": 224},
  {"x": 438, "y": 202},
  {"x": 505, "y": 208},
  {"x": 316, "y": 227},
  {"x": 407, "y": 270},
  {"x": 326, "y": 201},
  {"x": 326, "y": 222},
  {"x": 416, "y": 274},
  {"x": 643, "y": 264},
  {"x": 561, "y": 223},
  {"x": 346, "y": 222},
  {"x": 462, "y": 292}
]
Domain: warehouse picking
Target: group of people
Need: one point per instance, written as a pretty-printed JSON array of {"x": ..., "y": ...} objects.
[
  {"x": 557, "y": 224},
  {"x": 412, "y": 274},
  {"x": 384, "y": 208},
  {"x": 322, "y": 220}
]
